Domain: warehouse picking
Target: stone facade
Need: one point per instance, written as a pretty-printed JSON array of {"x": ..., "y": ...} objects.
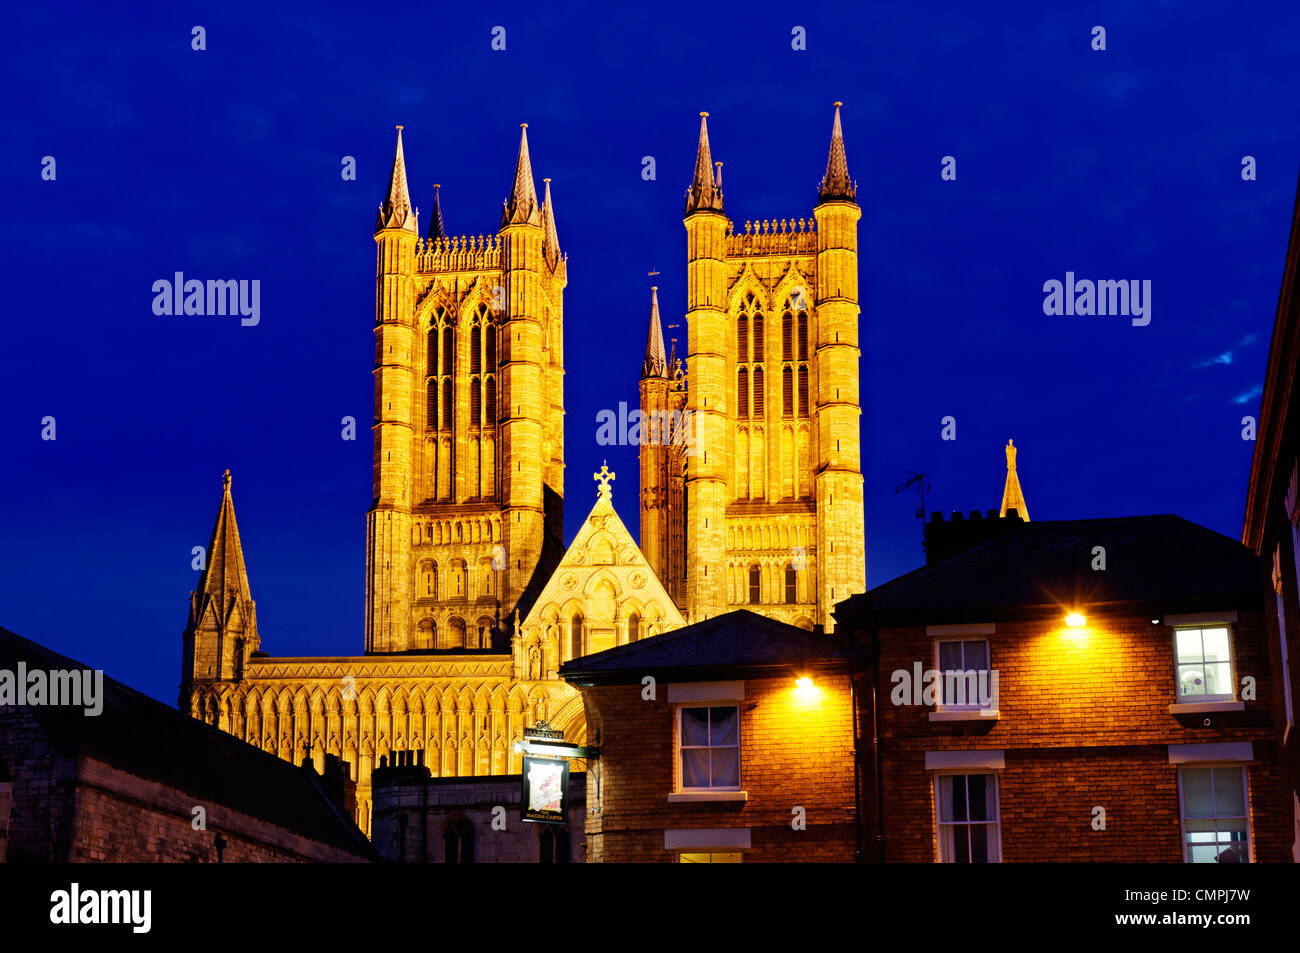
[
  {"x": 421, "y": 819},
  {"x": 762, "y": 506}
]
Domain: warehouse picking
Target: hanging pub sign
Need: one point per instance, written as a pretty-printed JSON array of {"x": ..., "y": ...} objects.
[{"x": 546, "y": 790}]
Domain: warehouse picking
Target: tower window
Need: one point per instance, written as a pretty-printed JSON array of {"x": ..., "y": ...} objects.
[
  {"x": 803, "y": 391},
  {"x": 431, "y": 412},
  {"x": 447, "y": 350},
  {"x": 490, "y": 347},
  {"x": 787, "y": 337},
  {"x": 475, "y": 356},
  {"x": 758, "y": 337},
  {"x": 575, "y": 636},
  {"x": 758, "y": 392},
  {"x": 787, "y": 392},
  {"x": 475, "y": 400},
  {"x": 742, "y": 339},
  {"x": 490, "y": 402},
  {"x": 754, "y": 593},
  {"x": 742, "y": 392},
  {"x": 803, "y": 335},
  {"x": 432, "y": 362},
  {"x": 446, "y": 404},
  {"x": 791, "y": 584}
]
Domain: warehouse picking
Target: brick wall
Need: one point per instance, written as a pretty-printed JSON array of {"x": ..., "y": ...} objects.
[
  {"x": 794, "y": 753},
  {"x": 1084, "y": 722}
]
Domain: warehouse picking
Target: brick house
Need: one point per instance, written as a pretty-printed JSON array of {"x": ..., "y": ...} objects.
[
  {"x": 1272, "y": 522},
  {"x": 1121, "y": 713},
  {"x": 422, "y": 819},
  {"x": 131, "y": 779},
  {"x": 727, "y": 740}
]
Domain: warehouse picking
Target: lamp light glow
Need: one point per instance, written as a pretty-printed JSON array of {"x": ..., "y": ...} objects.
[
  {"x": 804, "y": 682},
  {"x": 1074, "y": 620}
]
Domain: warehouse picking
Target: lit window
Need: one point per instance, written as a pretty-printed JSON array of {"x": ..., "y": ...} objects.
[
  {"x": 709, "y": 747},
  {"x": 1204, "y": 663},
  {"x": 1216, "y": 828},
  {"x": 965, "y": 679},
  {"x": 967, "y": 808},
  {"x": 754, "y": 587},
  {"x": 714, "y": 857}
]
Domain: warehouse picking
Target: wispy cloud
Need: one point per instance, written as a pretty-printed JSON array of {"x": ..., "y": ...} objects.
[
  {"x": 1224, "y": 358},
  {"x": 1249, "y": 395}
]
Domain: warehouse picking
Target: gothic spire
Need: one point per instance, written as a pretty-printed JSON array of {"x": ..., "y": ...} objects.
[
  {"x": 656, "y": 364},
  {"x": 224, "y": 583},
  {"x": 396, "y": 212},
  {"x": 550, "y": 239},
  {"x": 1013, "y": 498},
  {"x": 436, "y": 227},
  {"x": 522, "y": 204},
  {"x": 836, "y": 183},
  {"x": 704, "y": 193}
]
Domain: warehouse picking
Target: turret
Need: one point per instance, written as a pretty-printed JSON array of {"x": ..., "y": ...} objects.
[
  {"x": 840, "y": 543},
  {"x": 706, "y": 470},
  {"x": 221, "y": 632},
  {"x": 389, "y": 520}
]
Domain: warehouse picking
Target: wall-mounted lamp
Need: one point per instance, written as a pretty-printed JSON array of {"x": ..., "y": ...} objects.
[{"x": 1074, "y": 620}]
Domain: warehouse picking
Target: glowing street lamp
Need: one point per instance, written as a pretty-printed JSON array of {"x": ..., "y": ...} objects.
[{"x": 1074, "y": 620}]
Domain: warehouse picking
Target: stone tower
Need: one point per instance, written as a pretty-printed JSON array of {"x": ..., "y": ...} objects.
[
  {"x": 663, "y": 459},
  {"x": 221, "y": 632},
  {"x": 1013, "y": 498},
  {"x": 467, "y": 517},
  {"x": 773, "y": 479}
]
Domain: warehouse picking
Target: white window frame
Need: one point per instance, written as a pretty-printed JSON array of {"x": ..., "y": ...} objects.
[
  {"x": 1219, "y": 699},
  {"x": 940, "y": 705},
  {"x": 939, "y": 824},
  {"x": 715, "y": 793},
  {"x": 1245, "y": 783}
]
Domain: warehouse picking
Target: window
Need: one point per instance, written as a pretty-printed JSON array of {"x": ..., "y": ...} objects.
[
  {"x": 787, "y": 392},
  {"x": 964, "y": 667},
  {"x": 742, "y": 393},
  {"x": 791, "y": 584},
  {"x": 709, "y": 746},
  {"x": 633, "y": 627},
  {"x": 431, "y": 411},
  {"x": 1204, "y": 663},
  {"x": 742, "y": 339},
  {"x": 758, "y": 338},
  {"x": 787, "y": 337},
  {"x": 714, "y": 857},
  {"x": 458, "y": 841},
  {"x": 803, "y": 391},
  {"x": 446, "y": 404},
  {"x": 554, "y": 845},
  {"x": 1216, "y": 828},
  {"x": 803, "y": 335},
  {"x": 754, "y": 593},
  {"x": 575, "y": 636},
  {"x": 966, "y": 806},
  {"x": 758, "y": 392}
]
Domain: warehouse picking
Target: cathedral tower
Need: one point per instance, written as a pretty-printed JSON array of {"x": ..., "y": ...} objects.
[
  {"x": 663, "y": 448},
  {"x": 773, "y": 479},
  {"x": 467, "y": 518}
]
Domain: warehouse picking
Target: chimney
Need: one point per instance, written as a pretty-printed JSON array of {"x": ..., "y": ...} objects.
[{"x": 946, "y": 538}]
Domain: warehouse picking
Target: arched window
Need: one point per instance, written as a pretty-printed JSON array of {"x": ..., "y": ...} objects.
[
  {"x": 803, "y": 391},
  {"x": 633, "y": 627},
  {"x": 791, "y": 584},
  {"x": 787, "y": 392},
  {"x": 428, "y": 584},
  {"x": 432, "y": 362},
  {"x": 475, "y": 355},
  {"x": 787, "y": 337},
  {"x": 446, "y": 404},
  {"x": 474, "y": 401},
  {"x": 448, "y": 351},
  {"x": 456, "y": 634},
  {"x": 575, "y": 636},
  {"x": 757, "y": 402},
  {"x": 490, "y": 345},
  {"x": 758, "y": 337},
  {"x": 742, "y": 339},
  {"x": 803, "y": 335},
  {"x": 458, "y": 588},
  {"x": 458, "y": 840},
  {"x": 431, "y": 412},
  {"x": 490, "y": 404},
  {"x": 742, "y": 392},
  {"x": 553, "y": 844},
  {"x": 753, "y": 585}
]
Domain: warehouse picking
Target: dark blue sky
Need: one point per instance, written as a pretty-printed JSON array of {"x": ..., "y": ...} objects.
[{"x": 225, "y": 163}]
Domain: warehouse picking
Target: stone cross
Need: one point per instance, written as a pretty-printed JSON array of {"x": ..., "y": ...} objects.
[{"x": 603, "y": 477}]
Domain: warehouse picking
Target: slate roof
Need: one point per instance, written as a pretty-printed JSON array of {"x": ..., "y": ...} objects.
[
  {"x": 142, "y": 736},
  {"x": 1165, "y": 562},
  {"x": 736, "y": 644}
]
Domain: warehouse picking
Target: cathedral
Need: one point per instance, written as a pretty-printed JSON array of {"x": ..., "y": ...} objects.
[{"x": 472, "y": 599}]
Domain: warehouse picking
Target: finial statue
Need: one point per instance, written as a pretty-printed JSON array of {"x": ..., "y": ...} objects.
[
  {"x": 1011, "y": 455},
  {"x": 225, "y": 480},
  {"x": 603, "y": 491}
]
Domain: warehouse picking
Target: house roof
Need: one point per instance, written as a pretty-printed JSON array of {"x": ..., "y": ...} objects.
[
  {"x": 735, "y": 644},
  {"x": 1044, "y": 568},
  {"x": 142, "y": 736}
]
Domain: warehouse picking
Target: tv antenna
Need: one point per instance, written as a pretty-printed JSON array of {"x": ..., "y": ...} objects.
[{"x": 921, "y": 482}]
